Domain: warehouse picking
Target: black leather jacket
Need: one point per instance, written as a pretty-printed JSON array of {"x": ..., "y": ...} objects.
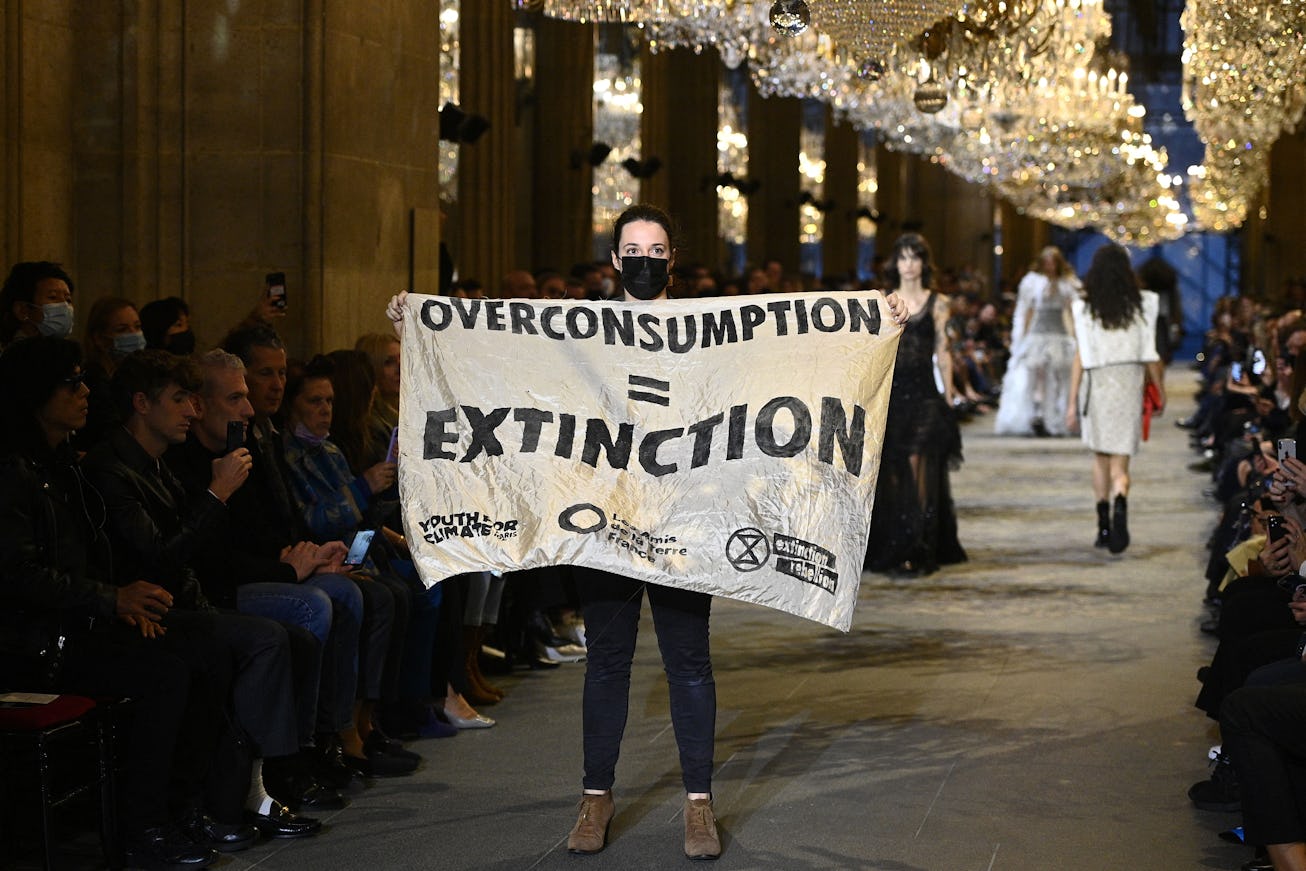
[
  {"x": 53, "y": 554},
  {"x": 155, "y": 529}
]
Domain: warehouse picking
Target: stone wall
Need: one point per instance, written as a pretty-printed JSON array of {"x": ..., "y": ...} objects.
[{"x": 159, "y": 148}]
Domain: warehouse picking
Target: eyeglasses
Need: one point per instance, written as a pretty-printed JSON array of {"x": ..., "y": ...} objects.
[{"x": 74, "y": 380}]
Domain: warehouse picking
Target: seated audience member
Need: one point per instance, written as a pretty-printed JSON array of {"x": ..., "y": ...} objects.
[
  {"x": 113, "y": 331},
  {"x": 518, "y": 284},
  {"x": 551, "y": 284},
  {"x": 334, "y": 503},
  {"x": 155, "y": 531},
  {"x": 383, "y": 352},
  {"x": 415, "y": 712},
  {"x": 166, "y": 324},
  {"x": 591, "y": 279},
  {"x": 37, "y": 300},
  {"x": 1262, "y": 727},
  {"x": 269, "y": 527},
  {"x": 63, "y": 627},
  {"x": 266, "y": 576}
]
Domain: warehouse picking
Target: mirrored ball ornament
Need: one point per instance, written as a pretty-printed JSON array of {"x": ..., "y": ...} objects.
[
  {"x": 931, "y": 96},
  {"x": 870, "y": 71},
  {"x": 790, "y": 17}
]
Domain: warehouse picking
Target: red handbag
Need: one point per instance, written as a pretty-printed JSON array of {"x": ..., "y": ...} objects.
[{"x": 1151, "y": 404}]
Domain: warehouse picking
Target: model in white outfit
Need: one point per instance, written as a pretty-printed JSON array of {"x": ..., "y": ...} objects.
[{"x": 1036, "y": 387}]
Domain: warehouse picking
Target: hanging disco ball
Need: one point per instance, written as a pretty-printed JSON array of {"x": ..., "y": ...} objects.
[
  {"x": 931, "y": 96},
  {"x": 870, "y": 71},
  {"x": 790, "y": 17}
]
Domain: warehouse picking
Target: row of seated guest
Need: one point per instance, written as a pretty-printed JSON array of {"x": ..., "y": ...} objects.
[
  {"x": 75, "y": 621},
  {"x": 151, "y": 530},
  {"x": 1255, "y": 684},
  {"x": 227, "y": 502}
]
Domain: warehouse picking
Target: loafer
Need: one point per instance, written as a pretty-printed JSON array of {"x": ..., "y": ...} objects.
[
  {"x": 304, "y": 792},
  {"x": 379, "y": 742},
  {"x": 329, "y": 769},
  {"x": 380, "y": 765},
  {"x": 166, "y": 848},
  {"x": 205, "y": 831},
  {"x": 281, "y": 823}
]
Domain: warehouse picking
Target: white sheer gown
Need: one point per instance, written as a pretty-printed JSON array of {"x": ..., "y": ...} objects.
[{"x": 1037, "y": 383}]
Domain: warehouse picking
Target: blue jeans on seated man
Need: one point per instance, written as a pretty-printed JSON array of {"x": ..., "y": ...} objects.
[
  {"x": 611, "y": 606},
  {"x": 331, "y": 607}
]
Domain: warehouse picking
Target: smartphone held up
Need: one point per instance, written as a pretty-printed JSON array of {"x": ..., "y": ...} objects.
[{"x": 276, "y": 290}]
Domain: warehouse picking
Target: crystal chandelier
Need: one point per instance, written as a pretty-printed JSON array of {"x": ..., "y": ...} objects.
[
  {"x": 1244, "y": 64},
  {"x": 1010, "y": 94},
  {"x": 618, "y": 93},
  {"x": 619, "y": 11},
  {"x": 732, "y": 164},
  {"x": 866, "y": 30},
  {"x": 448, "y": 162}
]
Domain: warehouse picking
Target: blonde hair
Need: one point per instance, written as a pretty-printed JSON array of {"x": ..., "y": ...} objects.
[
  {"x": 376, "y": 346},
  {"x": 1063, "y": 268}
]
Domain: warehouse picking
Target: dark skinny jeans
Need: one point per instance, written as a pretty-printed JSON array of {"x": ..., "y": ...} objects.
[{"x": 611, "y": 607}]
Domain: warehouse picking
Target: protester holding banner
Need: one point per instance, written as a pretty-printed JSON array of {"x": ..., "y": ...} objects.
[
  {"x": 1115, "y": 327},
  {"x": 914, "y": 528},
  {"x": 635, "y": 534}
]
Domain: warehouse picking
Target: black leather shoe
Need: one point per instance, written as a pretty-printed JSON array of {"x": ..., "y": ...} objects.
[
  {"x": 379, "y": 742},
  {"x": 281, "y": 823},
  {"x": 166, "y": 848},
  {"x": 223, "y": 837},
  {"x": 380, "y": 765},
  {"x": 329, "y": 769},
  {"x": 303, "y": 792}
]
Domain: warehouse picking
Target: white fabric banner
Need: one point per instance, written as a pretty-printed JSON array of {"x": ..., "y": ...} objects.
[{"x": 729, "y": 446}]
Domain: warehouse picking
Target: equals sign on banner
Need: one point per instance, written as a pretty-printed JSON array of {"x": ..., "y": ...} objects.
[{"x": 647, "y": 384}]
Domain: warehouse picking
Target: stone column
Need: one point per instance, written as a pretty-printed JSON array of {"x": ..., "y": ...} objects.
[
  {"x": 659, "y": 123},
  {"x": 839, "y": 246},
  {"x": 1022, "y": 238},
  {"x": 486, "y": 201},
  {"x": 690, "y": 161},
  {"x": 561, "y": 195},
  {"x": 773, "y": 126},
  {"x": 39, "y": 64}
]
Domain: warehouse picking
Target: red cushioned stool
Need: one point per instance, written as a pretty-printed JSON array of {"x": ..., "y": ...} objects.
[{"x": 66, "y": 749}]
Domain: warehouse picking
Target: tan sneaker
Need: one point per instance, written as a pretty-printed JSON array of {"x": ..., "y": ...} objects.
[
  {"x": 590, "y": 834},
  {"x": 701, "y": 838}
]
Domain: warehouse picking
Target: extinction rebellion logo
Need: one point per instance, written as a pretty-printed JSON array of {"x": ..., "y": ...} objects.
[{"x": 748, "y": 550}]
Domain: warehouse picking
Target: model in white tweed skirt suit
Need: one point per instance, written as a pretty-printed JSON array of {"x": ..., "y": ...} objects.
[{"x": 1115, "y": 334}]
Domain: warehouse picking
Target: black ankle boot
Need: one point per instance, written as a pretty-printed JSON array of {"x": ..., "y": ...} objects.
[
  {"x": 1103, "y": 524},
  {"x": 1119, "y": 538}
]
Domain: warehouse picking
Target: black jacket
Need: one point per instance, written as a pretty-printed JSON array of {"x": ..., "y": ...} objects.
[
  {"x": 155, "y": 527},
  {"x": 53, "y": 555},
  {"x": 246, "y": 545}
]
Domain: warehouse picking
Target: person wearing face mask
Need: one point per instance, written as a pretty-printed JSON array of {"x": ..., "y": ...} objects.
[
  {"x": 37, "y": 300},
  {"x": 643, "y": 256},
  {"x": 166, "y": 324},
  {"x": 113, "y": 331}
]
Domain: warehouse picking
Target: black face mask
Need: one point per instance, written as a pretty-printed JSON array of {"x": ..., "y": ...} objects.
[
  {"x": 180, "y": 344},
  {"x": 644, "y": 277}
]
